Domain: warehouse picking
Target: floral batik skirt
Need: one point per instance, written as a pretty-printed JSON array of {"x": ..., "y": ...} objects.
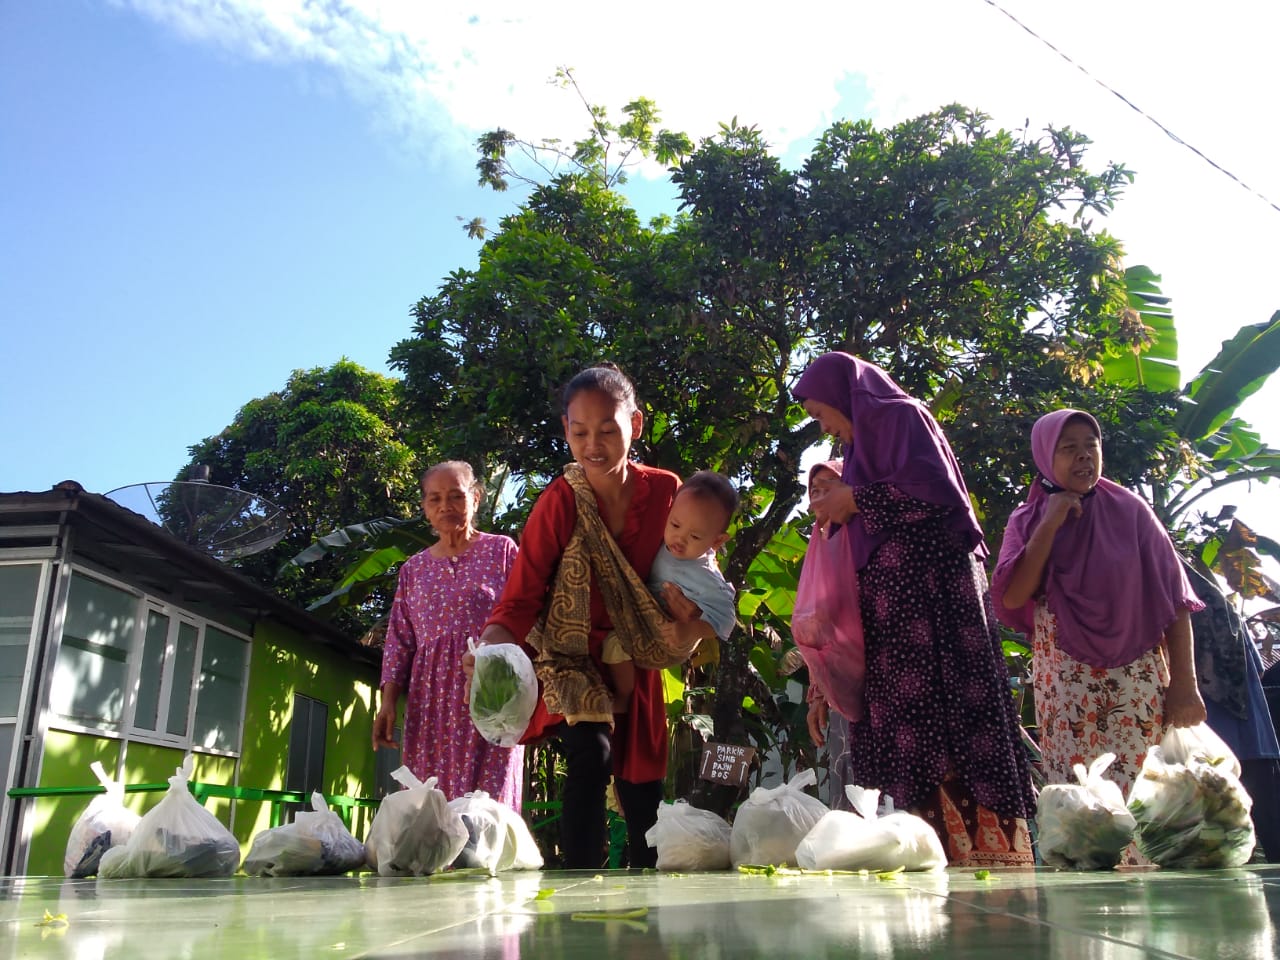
[
  {"x": 1083, "y": 712},
  {"x": 971, "y": 834}
]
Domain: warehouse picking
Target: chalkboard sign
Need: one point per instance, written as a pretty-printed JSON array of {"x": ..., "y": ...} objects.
[{"x": 725, "y": 763}]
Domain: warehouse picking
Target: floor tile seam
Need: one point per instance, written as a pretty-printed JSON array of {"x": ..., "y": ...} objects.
[
  {"x": 460, "y": 922},
  {"x": 502, "y": 909},
  {"x": 1093, "y": 935}
]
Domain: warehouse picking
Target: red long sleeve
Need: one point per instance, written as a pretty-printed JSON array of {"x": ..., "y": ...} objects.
[{"x": 640, "y": 738}]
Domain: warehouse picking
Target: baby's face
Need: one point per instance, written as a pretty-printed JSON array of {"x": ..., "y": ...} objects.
[{"x": 695, "y": 525}]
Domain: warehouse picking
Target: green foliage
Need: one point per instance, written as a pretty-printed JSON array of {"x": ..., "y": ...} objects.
[
  {"x": 604, "y": 155},
  {"x": 330, "y": 449},
  {"x": 1144, "y": 349},
  {"x": 960, "y": 257},
  {"x": 1242, "y": 365}
]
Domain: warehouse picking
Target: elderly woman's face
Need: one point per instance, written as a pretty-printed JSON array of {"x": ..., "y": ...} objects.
[
  {"x": 1077, "y": 458},
  {"x": 446, "y": 503},
  {"x": 830, "y": 419},
  {"x": 823, "y": 482}
]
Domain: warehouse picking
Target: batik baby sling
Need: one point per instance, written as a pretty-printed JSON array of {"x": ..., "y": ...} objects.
[{"x": 571, "y": 682}]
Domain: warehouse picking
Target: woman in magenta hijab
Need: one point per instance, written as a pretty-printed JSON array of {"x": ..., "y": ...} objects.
[
  {"x": 938, "y": 732},
  {"x": 1087, "y": 571}
]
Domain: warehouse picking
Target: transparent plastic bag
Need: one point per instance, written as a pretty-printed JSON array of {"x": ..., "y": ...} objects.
[
  {"x": 1192, "y": 812},
  {"x": 317, "y": 843},
  {"x": 827, "y": 623},
  {"x": 863, "y": 840},
  {"x": 1084, "y": 826},
  {"x": 689, "y": 839},
  {"x": 490, "y": 840},
  {"x": 498, "y": 839},
  {"x": 104, "y": 824},
  {"x": 414, "y": 833},
  {"x": 1180, "y": 744},
  {"x": 527, "y": 855},
  {"x": 772, "y": 821},
  {"x": 504, "y": 692},
  {"x": 175, "y": 838}
]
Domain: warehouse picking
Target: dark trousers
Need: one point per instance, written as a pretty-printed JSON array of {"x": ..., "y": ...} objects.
[
  {"x": 589, "y": 762},
  {"x": 1261, "y": 780}
]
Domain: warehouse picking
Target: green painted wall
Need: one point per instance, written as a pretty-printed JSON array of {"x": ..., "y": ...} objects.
[
  {"x": 281, "y": 664},
  {"x": 67, "y": 757}
]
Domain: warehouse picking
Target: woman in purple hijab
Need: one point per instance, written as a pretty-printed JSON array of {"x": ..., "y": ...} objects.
[
  {"x": 1087, "y": 572},
  {"x": 938, "y": 733}
]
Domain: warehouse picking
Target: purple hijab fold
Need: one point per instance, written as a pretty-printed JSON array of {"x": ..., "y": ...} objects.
[
  {"x": 895, "y": 441},
  {"x": 1113, "y": 580}
]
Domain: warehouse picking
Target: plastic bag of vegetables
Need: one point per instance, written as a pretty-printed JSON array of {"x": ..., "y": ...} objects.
[
  {"x": 504, "y": 692},
  {"x": 863, "y": 840},
  {"x": 688, "y": 838},
  {"x": 175, "y": 838},
  {"x": 772, "y": 821},
  {"x": 498, "y": 839},
  {"x": 414, "y": 833},
  {"x": 317, "y": 843},
  {"x": 1084, "y": 826},
  {"x": 1190, "y": 808},
  {"x": 105, "y": 823}
]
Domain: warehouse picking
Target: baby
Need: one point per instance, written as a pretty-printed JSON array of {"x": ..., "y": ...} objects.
[{"x": 697, "y": 526}]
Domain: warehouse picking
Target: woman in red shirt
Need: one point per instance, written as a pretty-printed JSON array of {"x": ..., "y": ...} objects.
[{"x": 601, "y": 419}]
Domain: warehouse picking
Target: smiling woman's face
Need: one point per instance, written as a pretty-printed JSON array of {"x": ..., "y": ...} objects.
[
  {"x": 1077, "y": 457},
  {"x": 830, "y": 419},
  {"x": 599, "y": 431}
]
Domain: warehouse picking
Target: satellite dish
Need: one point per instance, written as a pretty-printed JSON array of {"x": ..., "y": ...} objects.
[{"x": 224, "y": 522}]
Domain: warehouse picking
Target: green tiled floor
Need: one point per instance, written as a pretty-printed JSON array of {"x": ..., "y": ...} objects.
[{"x": 1018, "y": 913}]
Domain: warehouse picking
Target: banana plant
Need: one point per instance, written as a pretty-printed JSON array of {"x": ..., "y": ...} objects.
[
  {"x": 376, "y": 548},
  {"x": 1220, "y": 449},
  {"x": 1225, "y": 449}
]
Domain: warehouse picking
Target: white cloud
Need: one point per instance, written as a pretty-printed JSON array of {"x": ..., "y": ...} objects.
[{"x": 436, "y": 74}]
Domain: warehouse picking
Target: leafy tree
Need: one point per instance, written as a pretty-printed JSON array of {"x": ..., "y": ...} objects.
[
  {"x": 961, "y": 258},
  {"x": 329, "y": 448}
]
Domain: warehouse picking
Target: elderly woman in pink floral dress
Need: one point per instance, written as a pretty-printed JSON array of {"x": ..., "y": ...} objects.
[{"x": 444, "y": 595}]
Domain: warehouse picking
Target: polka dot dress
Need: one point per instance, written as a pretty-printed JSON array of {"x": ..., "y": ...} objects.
[
  {"x": 937, "y": 689},
  {"x": 439, "y": 603}
]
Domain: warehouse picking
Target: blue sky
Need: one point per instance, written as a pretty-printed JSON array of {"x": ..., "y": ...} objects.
[{"x": 203, "y": 195}]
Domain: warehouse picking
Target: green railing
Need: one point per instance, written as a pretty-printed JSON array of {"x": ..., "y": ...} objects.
[{"x": 345, "y": 807}]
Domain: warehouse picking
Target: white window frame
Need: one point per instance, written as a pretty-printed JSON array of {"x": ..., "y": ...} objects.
[
  {"x": 176, "y": 617},
  {"x": 238, "y": 747},
  {"x": 128, "y": 731},
  {"x": 43, "y": 586}
]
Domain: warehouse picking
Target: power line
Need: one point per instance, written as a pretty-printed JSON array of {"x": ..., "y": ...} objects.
[{"x": 1169, "y": 133}]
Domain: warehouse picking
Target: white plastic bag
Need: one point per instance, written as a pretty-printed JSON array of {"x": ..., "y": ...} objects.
[
  {"x": 317, "y": 843},
  {"x": 864, "y": 841},
  {"x": 1181, "y": 744},
  {"x": 498, "y": 839},
  {"x": 689, "y": 839},
  {"x": 105, "y": 823},
  {"x": 504, "y": 692},
  {"x": 1192, "y": 812},
  {"x": 175, "y": 838},
  {"x": 1084, "y": 826},
  {"x": 772, "y": 821},
  {"x": 491, "y": 843},
  {"x": 414, "y": 833},
  {"x": 527, "y": 855}
]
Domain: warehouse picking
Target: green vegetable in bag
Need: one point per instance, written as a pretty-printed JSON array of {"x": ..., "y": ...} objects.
[{"x": 504, "y": 692}]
